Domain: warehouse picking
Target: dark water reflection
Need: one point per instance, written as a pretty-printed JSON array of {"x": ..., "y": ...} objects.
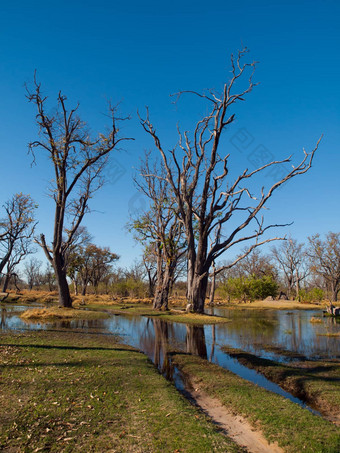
[
  {"x": 260, "y": 332},
  {"x": 255, "y": 331}
]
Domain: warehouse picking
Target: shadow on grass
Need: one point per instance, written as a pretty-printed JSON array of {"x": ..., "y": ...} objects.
[
  {"x": 65, "y": 329},
  {"x": 70, "y": 364},
  {"x": 72, "y": 348}
]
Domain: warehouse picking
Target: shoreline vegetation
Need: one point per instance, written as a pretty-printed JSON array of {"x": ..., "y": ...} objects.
[
  {"x": 315, "y": 381},
  {"x": 73, "y": 392},
  {"x": 59, "y": 313},
  {"x": 294, "y": 428},
  {"x": 67, "y": 391},
  {"x": 100, "y": 301},
  {"x": 54, "y": 313},
  {"x": 101, "y": 306}
]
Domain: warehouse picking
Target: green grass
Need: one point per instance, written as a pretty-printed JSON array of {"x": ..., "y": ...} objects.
[
  {"x": 294, "y": 428},
  {"x": 72, "y": 392},
  {"x": 318, "y": 382}
]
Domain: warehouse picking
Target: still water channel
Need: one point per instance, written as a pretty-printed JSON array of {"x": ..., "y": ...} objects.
[{"x": 273, "y": 334}]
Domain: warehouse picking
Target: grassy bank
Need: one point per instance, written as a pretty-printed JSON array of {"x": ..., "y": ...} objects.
[
  {"x": 317, "y": 382},
  {"x": 58, "y": 313},
  {"x": 103, "y": 303},
  {"x": 26, "y": 297},
  {"x": 71, "y": 392},
  {"x": 294, "y": 428}
]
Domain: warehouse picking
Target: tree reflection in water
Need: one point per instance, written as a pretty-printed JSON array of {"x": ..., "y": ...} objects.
[
  {"x": 158, "y": 340},
  {"x": 195, "y": 341},
  {"x": 154, "y": 341},
  {"x": 266, "y": 333},
  {"x": 3, "y": 317}
]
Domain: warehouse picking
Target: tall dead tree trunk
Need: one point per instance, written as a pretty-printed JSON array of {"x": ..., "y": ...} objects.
[
  {"x": 335, "y": 291},
  {"x": 75, "y": 286},
  {"x": 206, "y": 198},
  {"x": 297, "y": 285},
  {"x": 167, "y": 281},
  {"x": 212, "y": 285},
  {"x": 157, "y": 302},
  {"x": 65, "y": 299},
  {"x": 7, "y": 279},
  {"x": 78, "y": 161},
  {"x": 161, "y": 227}
]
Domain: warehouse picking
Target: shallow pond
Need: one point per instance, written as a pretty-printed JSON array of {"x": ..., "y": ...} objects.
[
  {"x": 274, "y": 334},
  {"x": 270, "y": 333}
]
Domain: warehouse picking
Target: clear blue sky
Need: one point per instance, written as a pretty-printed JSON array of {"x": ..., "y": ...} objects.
[{"x": 140, "y": 52}]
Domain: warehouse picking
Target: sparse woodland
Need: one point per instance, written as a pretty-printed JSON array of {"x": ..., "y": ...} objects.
[{"x": 197, "y": 219}]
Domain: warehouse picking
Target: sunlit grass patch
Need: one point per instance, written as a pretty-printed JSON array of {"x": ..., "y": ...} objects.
[
  {"x": 33, "y": 296},
  {"x": 193, "y": 318},
  {"x": 41, "y": 314},
  {"x": 278, "y": 305},
  {"x": 315, "y": 381},
  {"x": 173, "y": 315},
  {"x": 329, "y": 334},
  {"x": 293, "y": 427},
  {"x": 315, "y": 320},
  {"x": 73, "y": 392}
]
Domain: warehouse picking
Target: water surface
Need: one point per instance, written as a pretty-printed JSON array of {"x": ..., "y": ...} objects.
[{"x": 256, "y": 331}]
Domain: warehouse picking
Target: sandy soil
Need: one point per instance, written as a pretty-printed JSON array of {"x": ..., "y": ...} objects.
[
  {"x": 235, "y": 426},
  {"x": 280, "y": 305}
]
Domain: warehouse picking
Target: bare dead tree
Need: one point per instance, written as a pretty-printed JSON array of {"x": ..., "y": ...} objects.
[
  {"x": 48, "y": 277},
  {"x": 16, "y": 230},
  {"x": 217, "y": 211},
  {"x": 149, "y": 260},
  {"x": 212, "y": 285},
  {"x": 161, "y": 226},
  {"x": 256, "y": 265},
  {"x": 325, "y": 260},
  {"x": 32, "y": 272},
  {"x": 21, "y": 249},
  {"x": 78, "y": 161},
  {"x": 291, "y": 258}
]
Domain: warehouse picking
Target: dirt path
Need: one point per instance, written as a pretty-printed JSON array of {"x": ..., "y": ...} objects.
[{"x": 235, "y": 427}]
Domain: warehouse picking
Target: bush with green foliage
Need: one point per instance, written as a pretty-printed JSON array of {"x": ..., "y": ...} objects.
[
  {"x": 250, "y": 288},
  {"x": 129, "y": 288},
  {"x": 313, "y": 295}
]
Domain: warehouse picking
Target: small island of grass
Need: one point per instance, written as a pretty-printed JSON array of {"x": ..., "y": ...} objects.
[{"x": 59, "y": 313}]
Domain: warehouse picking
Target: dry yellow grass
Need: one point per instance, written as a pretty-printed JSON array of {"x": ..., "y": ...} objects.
[
  {"x": 278, "y": 305},
  {"x": 315, "y": 320},
  {"x": 329, "y": 334},
  {"x": 43, "y": 313},
  {"x": 25, "y": 296},
  {"x": 46, "y": 297},
  {"x": 60, "y": 313}
]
